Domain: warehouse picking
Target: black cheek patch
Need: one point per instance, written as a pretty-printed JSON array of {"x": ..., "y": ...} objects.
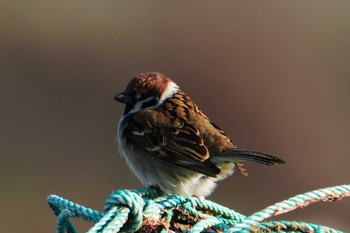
[{"x": 149, "y": 103}]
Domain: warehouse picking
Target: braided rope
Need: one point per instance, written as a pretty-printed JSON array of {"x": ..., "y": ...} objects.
[{"x": 146, "y": 209}]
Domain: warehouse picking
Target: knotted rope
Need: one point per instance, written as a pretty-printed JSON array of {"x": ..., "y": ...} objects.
[{"x": 147, "y": 209}]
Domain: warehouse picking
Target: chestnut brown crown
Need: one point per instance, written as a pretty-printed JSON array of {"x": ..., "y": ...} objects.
[{"x": 144, "y": 90}]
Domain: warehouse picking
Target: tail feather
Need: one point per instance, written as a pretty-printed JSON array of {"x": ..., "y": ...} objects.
[
  {"x": 241, "y": 168},
  {"x": 242, "y": 155}
]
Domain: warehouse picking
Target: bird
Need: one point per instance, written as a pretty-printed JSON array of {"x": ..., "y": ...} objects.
[{"x": 168, "y": 142}]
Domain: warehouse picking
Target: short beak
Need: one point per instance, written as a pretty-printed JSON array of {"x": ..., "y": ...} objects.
[{"x": 124, "y": 98}]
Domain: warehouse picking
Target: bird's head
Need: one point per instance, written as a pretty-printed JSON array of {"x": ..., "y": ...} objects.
[{"x": 147, "y": 90}]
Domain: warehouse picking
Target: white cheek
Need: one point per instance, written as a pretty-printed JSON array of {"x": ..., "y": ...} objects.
[
  {"x": 138, "y": 106},
  {"x": 170, "y": 90}
]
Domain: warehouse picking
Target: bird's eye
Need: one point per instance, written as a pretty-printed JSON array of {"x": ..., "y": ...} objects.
[{"x": 150, "y": 101}]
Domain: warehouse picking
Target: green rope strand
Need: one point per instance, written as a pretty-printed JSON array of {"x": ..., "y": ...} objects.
[
  {"x": 302, "y": 200},
  {"x": 147, "y": 209},
  {"x": 122, "y": 214}
]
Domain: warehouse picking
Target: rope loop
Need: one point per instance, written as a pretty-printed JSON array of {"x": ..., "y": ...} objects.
[
  {"x": 147, "y": 209},
  {"x": 132, "y": 201}
]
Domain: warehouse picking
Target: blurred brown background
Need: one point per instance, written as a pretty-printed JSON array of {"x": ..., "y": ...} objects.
[{"x": 274, "y": 74}]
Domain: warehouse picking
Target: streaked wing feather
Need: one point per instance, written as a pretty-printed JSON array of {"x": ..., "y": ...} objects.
[
  {"x": 147, "y": 141},
  {"x": 206, "y": 167},
  {"x": 180, "y": 146}
]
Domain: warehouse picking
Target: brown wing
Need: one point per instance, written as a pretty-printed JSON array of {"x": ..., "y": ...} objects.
[{"x": 176, "y": 142}]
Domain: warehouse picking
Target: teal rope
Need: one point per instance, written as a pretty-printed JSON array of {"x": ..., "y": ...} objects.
[
  {"x": 148, "y": 209},
  {"x": 301, "y": 201}
]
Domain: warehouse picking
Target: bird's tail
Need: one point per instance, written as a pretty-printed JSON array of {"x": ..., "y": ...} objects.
[
  {"x": 242, "y": 155},
  {"x": 239, "y": 156}
]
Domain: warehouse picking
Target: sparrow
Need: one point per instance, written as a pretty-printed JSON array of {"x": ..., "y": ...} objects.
[{"x": 169, "y": 142}]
